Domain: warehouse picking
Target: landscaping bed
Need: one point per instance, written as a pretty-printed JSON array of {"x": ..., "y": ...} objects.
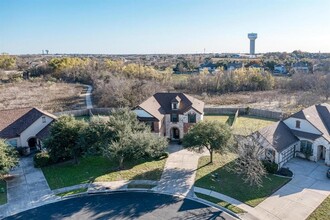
[
  {"x": 101, "y": 169},
  {"x": 3, "y": 192},
  {"x": 231, "y": 184}
]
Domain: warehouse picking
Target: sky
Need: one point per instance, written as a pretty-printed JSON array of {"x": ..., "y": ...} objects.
[{"x": 163, "y": 26}]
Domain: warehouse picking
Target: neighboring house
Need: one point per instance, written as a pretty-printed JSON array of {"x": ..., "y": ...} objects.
[
  {"x": 170, "y": 114},
  {"x": 25, "y": 127},
  {"x": 305, "y": 133},
  {"x": 233, "y": 66},
  {"x": 279, "y": 69},
  {"x": 300, "y": 67},
  {"x": 211, "y": 67}
]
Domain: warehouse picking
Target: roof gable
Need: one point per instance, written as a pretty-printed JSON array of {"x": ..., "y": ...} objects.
[{"x": 13, "y": 122}]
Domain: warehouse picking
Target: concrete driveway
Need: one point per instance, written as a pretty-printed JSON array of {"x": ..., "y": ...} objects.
[{"x": 304, "y": 193}]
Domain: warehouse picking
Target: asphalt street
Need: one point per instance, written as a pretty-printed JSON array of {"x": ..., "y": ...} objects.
[{"x": 124, "y": 205}]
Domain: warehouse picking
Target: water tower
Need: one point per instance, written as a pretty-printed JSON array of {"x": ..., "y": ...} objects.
[{"x": 252, "y": 37}]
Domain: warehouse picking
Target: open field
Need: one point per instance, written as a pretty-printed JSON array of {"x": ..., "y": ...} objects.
[
  {"x": 276, "y": 100},
  {"x": 322, "y": 212},
  {"x": 49, "y": 96},
  {"x": 3, "y": 192},
  {"x": 101, "y": 169},
  {"x": 231, "y": 184}
]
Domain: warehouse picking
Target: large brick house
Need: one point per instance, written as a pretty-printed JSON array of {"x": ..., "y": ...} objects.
[
  {"x": 170, "y": 114},
  {"x": 25, "y": 127},
  {"x": 305, "y": 133}
]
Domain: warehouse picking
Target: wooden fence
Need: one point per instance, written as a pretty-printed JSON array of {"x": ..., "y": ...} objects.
[
  {"x": 207, "y": 110},
  {"x": 244, "y": 111}
]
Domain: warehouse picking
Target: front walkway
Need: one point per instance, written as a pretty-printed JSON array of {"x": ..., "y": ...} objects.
[
  {"x": 179, "y": 172},
  {"x": 28, "y": 189}
]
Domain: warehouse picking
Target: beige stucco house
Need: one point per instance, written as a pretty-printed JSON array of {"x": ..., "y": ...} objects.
[
  {"x": 25, "y": 127},
  {"x": 305, "y": 133},
  {"x": 170, "y": 114}
]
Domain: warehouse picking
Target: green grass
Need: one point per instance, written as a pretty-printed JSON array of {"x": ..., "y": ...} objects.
[
  {"x": 141, "y": 186},
  {"x": 101, "y": 169},
  {"x": 220, "y": 203},
  {"x": 244, "y": 125},
  {"x": 3, "y": 192},
  {"x": 72, "y": 192},
  {"x": 322, "y": 212},
  {"x": 231, "y": 184},
  {"x": 220, "y": 118}
]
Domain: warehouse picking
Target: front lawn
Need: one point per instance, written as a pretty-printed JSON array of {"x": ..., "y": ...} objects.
[
  {"x": 220, "y": 203},
  {"x": 100, "y": 169},
  {"x": 3, "y": 192},
  {"x": 217, "y": 177},
  {"x": 322, "y": 212}
]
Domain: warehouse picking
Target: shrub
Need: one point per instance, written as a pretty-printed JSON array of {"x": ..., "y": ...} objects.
[
  {"x": 285, "y": 172},
  {"x": 42, "y": 159},
  {"x": 270, "y": 167}
]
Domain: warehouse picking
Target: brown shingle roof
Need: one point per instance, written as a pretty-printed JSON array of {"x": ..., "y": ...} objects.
[
  {"x": 14, "y": 121},
  {"x": 160, "y": 104}
]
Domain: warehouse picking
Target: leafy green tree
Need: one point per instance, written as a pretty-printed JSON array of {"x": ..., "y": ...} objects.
[
  {"x": 8, "y": 158},
  {"x": 63, "y": 140},
  {"x": 132, "y": 139},
  {"x": 96, "y": 135},
  {"x": 212, "y": 135}
]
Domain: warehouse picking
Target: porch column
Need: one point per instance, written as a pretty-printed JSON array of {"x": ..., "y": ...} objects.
[{"x": 327, "y": 156}]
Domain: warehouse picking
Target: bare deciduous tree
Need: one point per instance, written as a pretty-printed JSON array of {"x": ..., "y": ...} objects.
[{"x": 249, "y": 164}]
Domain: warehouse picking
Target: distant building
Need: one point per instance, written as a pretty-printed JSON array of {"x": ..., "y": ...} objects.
[
  {"x": 279, "y": 69},
  {"x": 211, "y": 67},
  {"x": 233, "y": 66},
  {"x": 300, "y": 67}
]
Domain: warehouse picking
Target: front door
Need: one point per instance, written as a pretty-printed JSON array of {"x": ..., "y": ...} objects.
[
  {"x": 175, "y": 133},
  {"x": 321, "y": 152}
]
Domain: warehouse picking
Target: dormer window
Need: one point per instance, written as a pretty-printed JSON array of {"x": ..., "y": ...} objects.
[
  {"x": 297, "y": 124},
  {"x": 175, "y": 103},
  {"x": 174, "y": 106}
]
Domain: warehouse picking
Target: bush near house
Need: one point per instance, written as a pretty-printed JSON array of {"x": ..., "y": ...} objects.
[
  {"x": 42, "y": 159},
  {"x": 270, "y": 167}
]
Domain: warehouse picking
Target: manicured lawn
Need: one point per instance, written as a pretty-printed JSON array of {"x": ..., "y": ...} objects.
[
  {"x": 3, "y": 192},
  {"x": 322, "y": 212},
  {"x": 85, "y": 117},
  {"x": 220, "y": 203},
  {"x": 100, "y": 169},
  {"x": 72, "y": 192},
  {"x": 221, "y": 118},
  {"x": 246, "y": 124},
  {"x": 231, "y": 184}
]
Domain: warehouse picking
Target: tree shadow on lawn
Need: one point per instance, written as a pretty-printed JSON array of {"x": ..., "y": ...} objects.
[
  {"x": 225, "y": 181},
  {"x": 96, "y": 168}
]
